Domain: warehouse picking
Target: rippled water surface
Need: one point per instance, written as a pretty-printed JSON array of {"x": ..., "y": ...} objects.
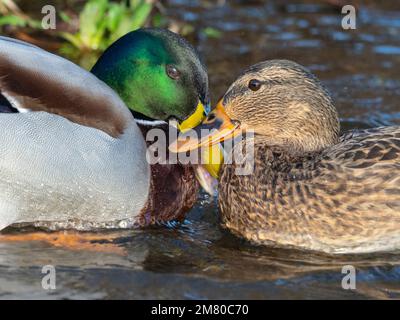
[{"x": 198, "y": 259}]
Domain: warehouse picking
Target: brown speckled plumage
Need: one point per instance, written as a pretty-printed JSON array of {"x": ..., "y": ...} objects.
[{"x": 339, "y": 197}]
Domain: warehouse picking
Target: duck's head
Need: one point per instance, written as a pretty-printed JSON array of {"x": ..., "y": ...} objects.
[
  {"x": 158, "y": 75},
  {"x": 282, "y": 102}
]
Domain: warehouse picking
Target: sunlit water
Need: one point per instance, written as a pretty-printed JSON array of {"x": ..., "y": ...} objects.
[{"x": 199, "y": 260}]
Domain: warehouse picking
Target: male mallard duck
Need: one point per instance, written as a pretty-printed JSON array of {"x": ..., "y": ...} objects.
[
  {"x": 310, "y": 187},
  {"x": 80, "y": 156}
]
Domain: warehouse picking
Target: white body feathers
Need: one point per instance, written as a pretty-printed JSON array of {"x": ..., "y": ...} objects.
[{"x": 53, "y": 169}]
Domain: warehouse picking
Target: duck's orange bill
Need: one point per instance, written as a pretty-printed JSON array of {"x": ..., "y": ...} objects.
[{"x": 217, "y": 127}]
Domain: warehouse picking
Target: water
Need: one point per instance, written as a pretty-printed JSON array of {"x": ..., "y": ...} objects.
[{"x": 197, "y": 259}]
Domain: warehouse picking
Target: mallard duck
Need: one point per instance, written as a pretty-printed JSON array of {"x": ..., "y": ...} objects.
[
  {"x": 78, "y": 156},
  {"x": 309, "y": 187}
]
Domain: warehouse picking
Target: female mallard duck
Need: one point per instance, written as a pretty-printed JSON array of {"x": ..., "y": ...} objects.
[
  {"x": 310, "y": 188},
  {"x": 79, "y": 157}
]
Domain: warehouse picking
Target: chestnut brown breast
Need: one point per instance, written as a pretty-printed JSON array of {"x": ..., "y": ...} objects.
[{"x": 173, "y": 189}]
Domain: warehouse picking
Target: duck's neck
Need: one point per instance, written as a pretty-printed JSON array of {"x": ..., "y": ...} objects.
[
  {"x": 275, "y": 161},
  {"x": 300, "y": 145},
  {"x": 145, "y": 121}
]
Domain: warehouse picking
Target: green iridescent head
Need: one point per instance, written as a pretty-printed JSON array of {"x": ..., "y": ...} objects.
[{"x": 157, "y": 73}]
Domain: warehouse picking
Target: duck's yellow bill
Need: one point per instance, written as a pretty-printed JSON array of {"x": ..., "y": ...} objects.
[
  {"x": 194, "y": 120},
  {"x": 212, "y": 158},
  {"x": 220, "y": 127}
]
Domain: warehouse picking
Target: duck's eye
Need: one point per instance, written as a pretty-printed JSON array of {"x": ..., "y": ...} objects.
[
  {"x": 211, "y": 117},
  {"x": 173, "y": 72},
  {"x": 254, "y": 84}
]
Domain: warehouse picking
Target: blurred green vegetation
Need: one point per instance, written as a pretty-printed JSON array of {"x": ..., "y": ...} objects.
[
  {"x": 101, "y": 22},
  {"x": 11, "y": 14},
  {"x": 93, "y": 25}
]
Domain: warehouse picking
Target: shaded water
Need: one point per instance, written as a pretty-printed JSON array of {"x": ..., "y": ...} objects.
[{"x": 197, "y": 259}]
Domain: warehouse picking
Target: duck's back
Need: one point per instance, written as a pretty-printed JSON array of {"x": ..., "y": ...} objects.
[
  {"x": 344, "y": 199},
  {"x": 77, "y": 156},
  {"x": 53, "y": 170}
]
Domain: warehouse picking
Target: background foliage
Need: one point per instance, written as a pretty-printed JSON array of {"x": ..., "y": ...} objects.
[{"x": 86, "y": 28}]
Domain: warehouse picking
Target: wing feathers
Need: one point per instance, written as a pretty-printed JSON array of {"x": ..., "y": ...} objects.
[{"x": 35, "y": 79}]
